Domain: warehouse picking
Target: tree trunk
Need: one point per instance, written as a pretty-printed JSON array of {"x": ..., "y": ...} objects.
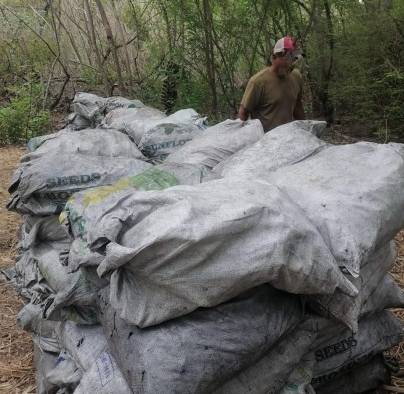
[
  {"x": 328, "y": 106},
  {"x": 320, "y": 83},
  {"x": 71, "y": 38},
  {"x": 111, "y": 42},
  {"x": 207, "y": 21},
  {"x": 93, "y": 41},
  {"x": 124, "y": 44}
]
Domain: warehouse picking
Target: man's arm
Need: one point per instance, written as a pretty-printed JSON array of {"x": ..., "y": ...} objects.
[
  {"x": 243, "y": 113},
  {"x": 298, "y": 113},
  {"x": 249, "y": 101}
]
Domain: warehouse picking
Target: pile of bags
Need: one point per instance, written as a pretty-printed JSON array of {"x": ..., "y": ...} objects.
[{"x": 159, "y": 255}]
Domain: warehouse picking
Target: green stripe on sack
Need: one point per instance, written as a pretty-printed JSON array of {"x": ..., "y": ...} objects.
[{"x": 151, "y": 179}]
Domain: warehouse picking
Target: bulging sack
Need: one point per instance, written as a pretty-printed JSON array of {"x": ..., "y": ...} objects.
[
  {"x": 338, "y": 351},
  {"x": 83, "y": 343},
  {"x": 93, "y": 142},
  {"x": 172, "y": 251},
  {"x": 218, "y": 142},
  {"x": 285, "y": 145},
  {"x": 70, "y": 288},
  {"x": 321, "y": 341},
  {"x": 89, "y": 107},
  {"x": 347, "y": 309},
  {"x": 83, "y": 209},
  {"x": 271, "y": 372},
  {"x": 83, "y": 366},
  {"x": 76, "y": 122},
  {"x": 32, "y": 314},
  {"x": 198, "y": 352},
  {"x": 354, "y": 217},
  {"x": 39, "y": 229},
  {"x": 166, "y": 138},
  {"x": 363, "y": 378},
  {"x": 145, "y": 126},
  {"x": 43, "y": 185},
  {"x": 104, "y": 377},
  {"x": 55, "y": 293},
  {"x": 35, "y": 142},
  {"x": 133, "y": 121},
  {"x": 24, "y": 275},
  {"x": 44, "y": 362},
  {"x": 388, "y": 294},
  {"x": 89, "y": 349},
  {"x": 64, "y": 373}
]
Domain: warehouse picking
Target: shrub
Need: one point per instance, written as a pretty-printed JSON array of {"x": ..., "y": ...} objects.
[{"x": 22, "y": 117}]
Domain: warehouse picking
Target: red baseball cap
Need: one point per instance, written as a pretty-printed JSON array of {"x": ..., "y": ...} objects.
[{"x": 285, "y": 44}]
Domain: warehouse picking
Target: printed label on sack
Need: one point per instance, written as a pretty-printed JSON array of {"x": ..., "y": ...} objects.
[
  {"x": 72, "y": 180},
  {"x": 105, "y": 368},
  {"x": 57, "y": 196},
  {"x": 153, "y": 148},
  {"x": 336, "y": 348},
  {"x": 359, "y": 360},
  {"x": 55, "y": 200}
]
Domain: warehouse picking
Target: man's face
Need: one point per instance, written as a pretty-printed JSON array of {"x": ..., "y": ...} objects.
[{"x": 283, "y": 63}]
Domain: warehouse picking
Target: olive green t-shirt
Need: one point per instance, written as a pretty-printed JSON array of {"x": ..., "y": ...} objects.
[{"x": 272, "y": 99}]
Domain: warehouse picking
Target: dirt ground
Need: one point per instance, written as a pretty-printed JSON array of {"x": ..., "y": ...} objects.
[
  {"x": 16, "y": 358},
  {"x": 16, "y": 370}
]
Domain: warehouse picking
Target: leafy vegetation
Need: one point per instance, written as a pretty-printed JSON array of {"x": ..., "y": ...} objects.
[
  {"x": 22, "y": 118},
  {"x": 200, "y": 52}
]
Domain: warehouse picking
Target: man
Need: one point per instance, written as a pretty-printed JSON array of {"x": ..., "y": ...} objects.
[{"x": 274, "y": 95}]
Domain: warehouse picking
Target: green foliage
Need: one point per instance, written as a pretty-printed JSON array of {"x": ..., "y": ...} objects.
[
  {"x": 22, "y": 118},
  {"x": 192, "y": 94},
  {"x": 354, "y": 51},
  {"x": 132, "y": 17},
  {"x": 388, "y": 101},
  {"x": 367, "y": 84},
  {"x": 89, "y": 76}
]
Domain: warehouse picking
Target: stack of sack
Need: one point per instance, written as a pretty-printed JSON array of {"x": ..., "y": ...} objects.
[
  {"x": 253, "y": 248},
  {"x": 89, "y": 109},
  {"x": 57, "y": 166},
  {"x": 156, "y": 134},
  {"x": 237, "y": 262},
  {"x": 71, "y": 160}
]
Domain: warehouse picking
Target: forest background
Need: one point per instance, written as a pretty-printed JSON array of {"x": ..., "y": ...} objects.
[{"x": 174, "y": 54}]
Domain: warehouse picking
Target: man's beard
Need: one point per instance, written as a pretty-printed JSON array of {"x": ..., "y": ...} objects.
[{"x": 282, "y": 72}]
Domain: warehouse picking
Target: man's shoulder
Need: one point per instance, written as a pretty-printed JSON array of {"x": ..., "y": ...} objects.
[
  {"x": 296, "y": 74},
  {"x": 260, "y": 76}
]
